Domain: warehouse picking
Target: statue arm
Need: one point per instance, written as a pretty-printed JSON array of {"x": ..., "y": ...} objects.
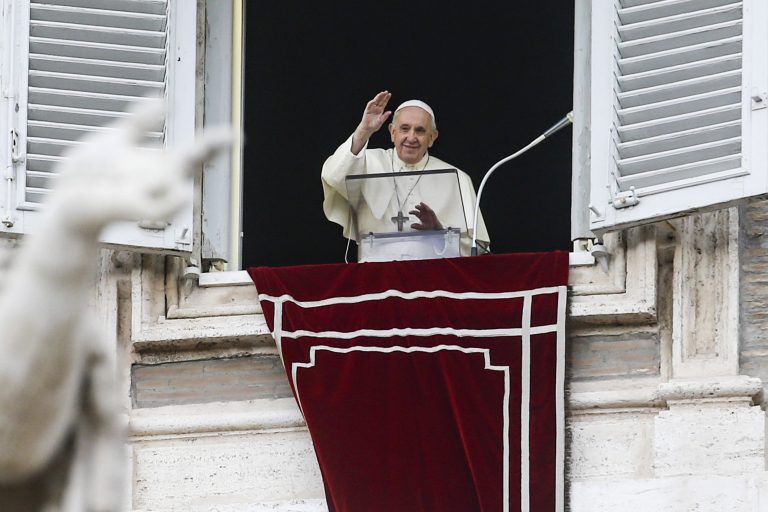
[{"x": 44, "y": 349}]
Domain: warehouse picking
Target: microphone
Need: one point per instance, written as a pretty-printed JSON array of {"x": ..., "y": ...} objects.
[{"x": 567, "y": 120}]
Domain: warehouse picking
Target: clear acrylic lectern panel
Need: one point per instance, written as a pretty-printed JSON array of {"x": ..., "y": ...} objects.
[
  {"x": 417, "y": 245},
  {"x": 380, "y": 209}
]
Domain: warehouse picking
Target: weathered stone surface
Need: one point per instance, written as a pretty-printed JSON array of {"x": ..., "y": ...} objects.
[
  {"x": 753, "y": 285},
  {"x": 613, "y": 356},
  {"x": 738, "y": 493},
  {"x": 273, "y": 506},
  {"x": 709, "y": 439},
  {"x": 610, "y": 445},
  {"x": 230, "y": 472},
  {"x": 209, "y": 380}
]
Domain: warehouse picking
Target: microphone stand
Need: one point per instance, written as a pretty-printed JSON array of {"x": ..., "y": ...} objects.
[{"x": 567, "y": 120}]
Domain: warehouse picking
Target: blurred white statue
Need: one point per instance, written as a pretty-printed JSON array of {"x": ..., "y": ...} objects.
[{"x": 61, "y": 441}]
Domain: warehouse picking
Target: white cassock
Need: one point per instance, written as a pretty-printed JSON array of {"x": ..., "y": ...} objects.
[{"x": 392, "y": 196}]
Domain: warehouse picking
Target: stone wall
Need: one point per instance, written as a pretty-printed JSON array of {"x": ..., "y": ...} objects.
[
  {"x": 681, "y": 429},
  {"x": 753, "y": 284},
  {"x": 660, "y": 414}
]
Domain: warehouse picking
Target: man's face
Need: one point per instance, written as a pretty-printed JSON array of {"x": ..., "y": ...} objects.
[{"x": 412, "y": 134}]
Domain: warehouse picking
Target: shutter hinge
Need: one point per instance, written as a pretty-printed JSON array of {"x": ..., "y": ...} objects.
[
  {"x": 16, "y": 155},
  {"x": 759, "y": 101},
  {"x": 625, "y": 199},
  {"x": 10, "y": 175},
  {"x": 183, "y": 236}
]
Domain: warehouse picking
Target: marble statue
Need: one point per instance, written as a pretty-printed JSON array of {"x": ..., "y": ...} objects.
[{"x": 61, "y": 437}]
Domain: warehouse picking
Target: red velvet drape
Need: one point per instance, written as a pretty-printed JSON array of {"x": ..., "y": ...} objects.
[{"x": 424, "y": 382}]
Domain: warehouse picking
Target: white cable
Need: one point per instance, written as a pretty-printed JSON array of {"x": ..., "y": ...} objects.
[
  {"x": 568, "y": 119},
  {"x": 346, "y": 251}
]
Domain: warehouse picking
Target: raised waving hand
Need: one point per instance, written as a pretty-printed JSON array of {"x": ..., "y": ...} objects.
[{"x": 374, "y": 117}]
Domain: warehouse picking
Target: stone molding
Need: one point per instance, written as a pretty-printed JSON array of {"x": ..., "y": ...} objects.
[
  {"x": 170, "y": 313},
  {"x": 622, "y": 400},
  {"x": 740, "y": 388},
  {"x": 736, "y": 388},
  {"x": 215, "y": 418},
  {"x": 705, "y": 308},
  {"x": 627, "y": 293}
]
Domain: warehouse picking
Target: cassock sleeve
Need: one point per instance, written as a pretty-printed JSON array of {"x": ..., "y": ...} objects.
[{"x": 335, "y": 169}]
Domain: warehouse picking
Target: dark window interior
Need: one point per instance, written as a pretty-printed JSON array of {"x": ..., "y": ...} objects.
[{"x": 497, "y": 75}]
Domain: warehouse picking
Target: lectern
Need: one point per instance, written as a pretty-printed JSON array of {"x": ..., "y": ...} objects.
[{"x": 380, "y": 205}]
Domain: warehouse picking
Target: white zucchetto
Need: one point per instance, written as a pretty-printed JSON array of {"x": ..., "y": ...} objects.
[{"x": 421, "y": 105}]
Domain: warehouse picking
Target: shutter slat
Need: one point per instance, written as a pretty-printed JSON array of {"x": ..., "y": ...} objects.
[
  {"x": 36, "y": 195},
  {"x": 40, "y": 180},
  {"x": 680, "y": 22},
  {"x": 681, "y": 89},
  {"x": 132, "y": 6},
  {"x": 680, "y": 39},
  {"x": 685, "y": 175},
  {"x": 45, "y": 146},
  {"x": 122, "y": 86},
  {"x": 68, "y": 131},
  {"x": 679, "y": 73},
  {"x": 53, "y": 30},
  {"x": 680, "y": 123},
  {"x": 56, "y": 114},
  {"x": 680, "y": 139},
  {"x": 637, "y": 3},
  {"x": 663, "y": 9},
  {"x": 99, "y": 51},
  {"x": 40, "y": 96},
  {"x": 97, "y": 17},
  {"x": 678, "y": 56},
  {"x": 679, "y": 106},
  {"x": 101, "y": 68},
  {"x": 679, "y": 156},
  {"x": 43, "y": 163},
  {"x": 48, "y": 130}
]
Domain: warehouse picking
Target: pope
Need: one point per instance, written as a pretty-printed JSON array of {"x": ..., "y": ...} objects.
[{"x": 413, "y": 132}]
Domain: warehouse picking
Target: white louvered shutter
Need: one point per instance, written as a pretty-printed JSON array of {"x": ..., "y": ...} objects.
[
  {"x": 78, "y": 66},
  {"x": 678, "y": 107}
]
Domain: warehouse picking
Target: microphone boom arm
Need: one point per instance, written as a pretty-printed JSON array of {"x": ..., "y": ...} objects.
[{"x": 567, "y": 120}]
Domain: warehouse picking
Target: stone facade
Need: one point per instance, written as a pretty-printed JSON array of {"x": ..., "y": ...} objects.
[
  {"x": 213, "y": 426},
  {"x": 664, "y": 380},
  {"x": 666, "y": 369},
  {"x": 690, "y": 433},
  {"x": 667, "y": 363}
]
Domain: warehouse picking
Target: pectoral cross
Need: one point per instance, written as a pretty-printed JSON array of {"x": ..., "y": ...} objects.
[{"x": 400, "y": 219}]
